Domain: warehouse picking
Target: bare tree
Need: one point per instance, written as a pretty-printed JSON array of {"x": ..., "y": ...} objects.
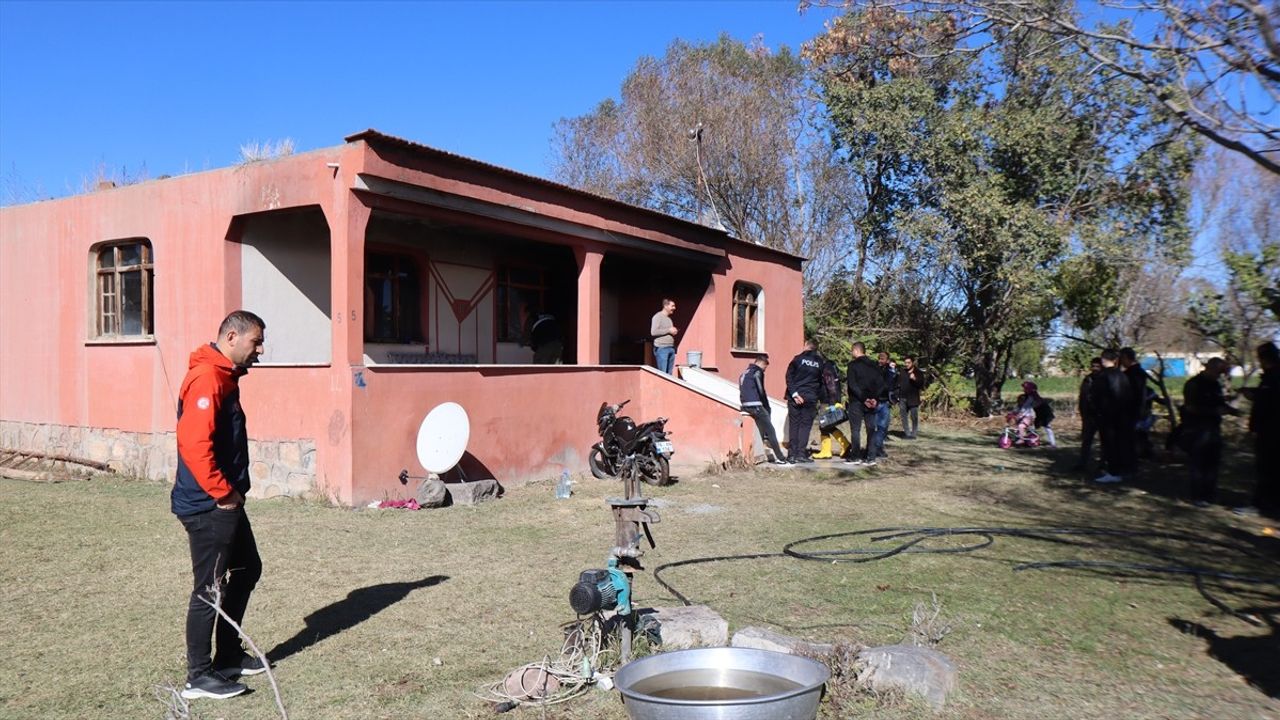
[
  {"x": 1238, "y": 305},
  {"x": 727, "y": 134},
  {"x": 1213, "y": 64}
]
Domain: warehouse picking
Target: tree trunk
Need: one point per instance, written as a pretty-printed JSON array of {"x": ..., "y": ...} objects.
[{"x": 990, "y": 367}]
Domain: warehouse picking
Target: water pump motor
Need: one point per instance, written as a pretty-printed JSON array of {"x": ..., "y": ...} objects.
[{"x": 604, "y": 589}]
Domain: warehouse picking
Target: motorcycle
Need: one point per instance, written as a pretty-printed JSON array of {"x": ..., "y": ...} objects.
[{"x": 621, "y": 439}]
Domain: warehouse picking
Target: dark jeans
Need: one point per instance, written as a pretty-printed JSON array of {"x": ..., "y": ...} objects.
[
  {"x": 799, "y": 425},
  {"x": 857, "y": 418},
  {"x": 1204, "y": 451},
  {"x": 875, "y": 446},
  {"x": 1088, "y": 430},
  {"x": 860, "y": 417},
  {"x": 665, "y": 359},
  {"x": 913, "y": 411},
  {"x": 220, "y": 540},
  {"x": 760, "y": 414},
  {"x": 1266, "y": 495},
  {"x": 1118, "y": 451}
]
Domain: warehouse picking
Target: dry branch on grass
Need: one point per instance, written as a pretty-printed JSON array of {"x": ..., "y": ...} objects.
[
  {"x": 176, "y": 707},
  {"x": 927, "y": 626},
  {"x": 215, "y": 592}
]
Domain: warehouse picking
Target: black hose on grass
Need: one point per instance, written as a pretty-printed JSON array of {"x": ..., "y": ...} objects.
[{"x": 912, "y": 539}]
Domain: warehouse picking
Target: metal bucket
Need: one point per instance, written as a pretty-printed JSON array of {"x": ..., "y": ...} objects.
[
  {"x": 725, "y": 683},
  {"x": 694, "y": 358}
]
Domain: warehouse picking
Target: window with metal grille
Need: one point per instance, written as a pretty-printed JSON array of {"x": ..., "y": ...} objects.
[
  {"x": 747, "y": 317},
  {"x": 393, "y": 296},
  {"x": 125, "y": 293}
]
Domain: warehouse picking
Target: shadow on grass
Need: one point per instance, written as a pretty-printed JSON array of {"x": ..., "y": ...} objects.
[
  {"x": 1253, "y": 658},
  {"x": 1234, "y": 565},
  {"x": 359, "y": 605}
]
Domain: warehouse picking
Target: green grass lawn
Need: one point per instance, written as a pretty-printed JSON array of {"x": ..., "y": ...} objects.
[
  {"x": 400, "y": 614},
  {"x": 1067, "y": 386}
]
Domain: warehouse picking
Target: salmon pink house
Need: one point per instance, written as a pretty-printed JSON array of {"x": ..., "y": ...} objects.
[{"x": 392, "y": 277}]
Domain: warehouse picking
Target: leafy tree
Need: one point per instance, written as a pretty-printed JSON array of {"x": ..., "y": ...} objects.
[
  {"x": 1211, "y": 65},
  {"x": 1010, "y": 168}
]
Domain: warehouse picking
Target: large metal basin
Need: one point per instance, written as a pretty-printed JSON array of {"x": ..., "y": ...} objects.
[{"x": 722, "y": 684}]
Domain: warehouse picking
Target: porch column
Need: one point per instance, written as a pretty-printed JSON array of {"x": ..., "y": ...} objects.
[
  {"x": 348, "y": 282},
  {"x": 588, "y": 304}
]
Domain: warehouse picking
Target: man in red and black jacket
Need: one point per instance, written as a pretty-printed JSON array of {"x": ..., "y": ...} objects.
[{"x": 208, "y": 498}]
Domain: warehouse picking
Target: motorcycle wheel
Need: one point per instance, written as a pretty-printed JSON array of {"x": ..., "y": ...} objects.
[
  {"x": 655, "y": 470},
  {"x": 600, "y": 465}
]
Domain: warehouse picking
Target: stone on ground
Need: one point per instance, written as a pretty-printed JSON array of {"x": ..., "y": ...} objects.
[
  {"x": 473, "y": 492},
  {"x": 692, "y": 626},
  {"x": 432, "y": 493},
  {"x": 922, "y": 671}
]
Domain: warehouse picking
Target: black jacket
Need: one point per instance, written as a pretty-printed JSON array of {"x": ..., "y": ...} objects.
[
  {"x": 804, "y": 375},
  {"x": 1204, "y": 403},
  {"x": 908, "y": 389},
  {"x": 751, "y": 387},
  {"x": 1264, "y": 415},
  {"x": 1112, "y": 396},
  {"x": 865, "y": 381},
  {"x": 1084, "y": 403}
]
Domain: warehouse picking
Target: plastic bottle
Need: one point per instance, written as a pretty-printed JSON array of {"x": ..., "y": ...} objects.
[{"x": 563, "y": 488}]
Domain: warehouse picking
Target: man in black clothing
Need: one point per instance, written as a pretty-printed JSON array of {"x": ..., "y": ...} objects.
[
  {"x": 1142, "y": 407},
  {"x": 1202, "y": 411},
  {"x": 889, "y": 372},
  {"x": 910, "y": 382},
  {"x": 1264, "y": 423},
  {"x": 867, "y": 390},
  {"x": 1114, "y": 406},
  {"x": 755, "y": 402},
  {"x": 1088, "y": 415},
  {"x": 541, "y": 332},
  {"x": 804, "y": 375}
]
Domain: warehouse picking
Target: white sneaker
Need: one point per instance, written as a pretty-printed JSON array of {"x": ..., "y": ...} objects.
[{"x": 1107, "y": 479}]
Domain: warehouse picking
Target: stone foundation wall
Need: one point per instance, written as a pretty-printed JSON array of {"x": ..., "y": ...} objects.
[{"x": 285, "y": 467}]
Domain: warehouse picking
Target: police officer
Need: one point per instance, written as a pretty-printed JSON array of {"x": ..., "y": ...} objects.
[
  {"x": 804, "y": 375},
  {"x": 755, "y": 402}
]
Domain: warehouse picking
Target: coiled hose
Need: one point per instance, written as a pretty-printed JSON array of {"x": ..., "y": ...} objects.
[{"x": 912, "y": 540}]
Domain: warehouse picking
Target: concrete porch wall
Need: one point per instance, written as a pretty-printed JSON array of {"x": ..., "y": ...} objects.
[{"x": 527, "y": 422}]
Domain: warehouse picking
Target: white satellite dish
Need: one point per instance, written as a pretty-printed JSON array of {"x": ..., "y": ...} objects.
[{"x": 442, "y": 437}]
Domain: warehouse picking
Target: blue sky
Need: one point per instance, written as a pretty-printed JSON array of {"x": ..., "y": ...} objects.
[{"x": 177, "y": 87}]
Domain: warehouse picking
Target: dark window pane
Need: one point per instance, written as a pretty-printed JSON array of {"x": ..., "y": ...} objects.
[
  {"x": 131, "y": 303},
  {"x": 740, "y": 326},
  {"x": 130, "y": 254},
  {"x": 151, "y": 304},
  {"x": 107, "y": 257},
  {"x": 410, "y": 329}
]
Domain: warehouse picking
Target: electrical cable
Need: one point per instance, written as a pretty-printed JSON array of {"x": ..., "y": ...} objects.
[
  {"x": 585, "y": 651},
  {"x": 912, "y": 541}
]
